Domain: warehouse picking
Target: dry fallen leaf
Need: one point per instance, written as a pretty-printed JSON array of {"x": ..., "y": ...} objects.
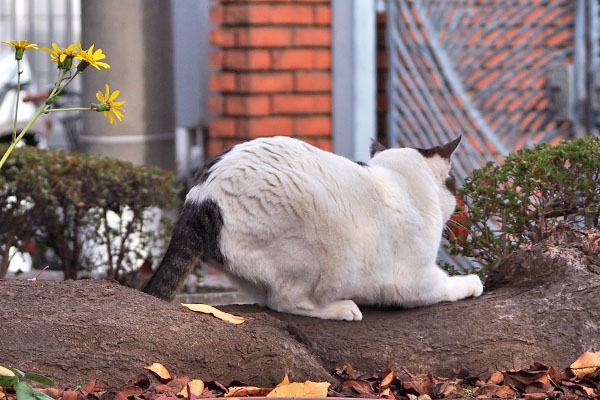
[
  {"x": 71, "y": 395},
  {"x": 88, "y": 387},
  {"x": 588, "y": 363},
  {"x": 421, "y": 384},
  {"x": 360, "y": 386},
  {"x": 496, "y": 378},
  {"x": 387, "y": 381},
  {"x": 196, "y": 387},
  {"x": 6, "y": 371},
  {"x": 52, "y": 392},
  {"x": 537, "y": 381},
  {"x": 285, "y": 381},
  {"x": 245, "y": 391},
  {"x": 298, "y": 389},
  {"x": 205, "y": 308},
  {"x": 174, "y": 386},
  {"x": 159, "y": 370}
]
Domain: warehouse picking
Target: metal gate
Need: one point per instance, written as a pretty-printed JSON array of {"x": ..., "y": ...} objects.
[
  {"x": 41, "y": 22},
  {"x": 505, "y": 74}
]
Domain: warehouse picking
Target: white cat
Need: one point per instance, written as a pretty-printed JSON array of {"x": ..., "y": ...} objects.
[{"x": 312, "y": 233}]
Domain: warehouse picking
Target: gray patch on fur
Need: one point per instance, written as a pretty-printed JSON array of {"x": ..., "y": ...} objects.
[
  {"x": 203, "y": 223},
  {"x": 203, "y": 174},
  {"x": 451, "y": 184},
  {"x": 376, "y": 147}
]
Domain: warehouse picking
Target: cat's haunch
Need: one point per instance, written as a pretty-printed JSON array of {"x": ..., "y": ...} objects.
[{"x": 309, "y": 232}]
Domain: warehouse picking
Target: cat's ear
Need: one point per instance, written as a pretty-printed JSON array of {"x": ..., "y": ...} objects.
[
  {"x": 448, "y": 148},
  {"x": 444, "y": 151},
  {"x": 376, "y": 147}
]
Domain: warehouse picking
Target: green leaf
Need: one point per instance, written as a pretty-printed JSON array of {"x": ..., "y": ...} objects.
[
  {"x": 26, "y": 392},
  {"x": 8, "y": 381},
  {"x": 39, "y": 378}
]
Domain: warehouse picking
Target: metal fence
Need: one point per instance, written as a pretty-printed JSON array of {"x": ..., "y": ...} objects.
[
  {"x": 41, "y": 22},
  {"x": 505, "y": 74}
]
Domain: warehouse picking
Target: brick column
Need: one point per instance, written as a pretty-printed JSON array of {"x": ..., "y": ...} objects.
[{"x": 271, "y": 71}]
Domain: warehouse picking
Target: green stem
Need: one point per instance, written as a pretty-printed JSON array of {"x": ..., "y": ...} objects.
[
  {"x": 18, "y": 139},
  {"x": 67, "y": 83},
  {"x": 19, "y": 72},
  {"x": 68, "y": 109},
  {"x": 30, "y": 123}
]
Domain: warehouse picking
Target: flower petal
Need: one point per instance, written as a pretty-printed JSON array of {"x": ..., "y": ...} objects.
[{"x": 114, "y": 95}]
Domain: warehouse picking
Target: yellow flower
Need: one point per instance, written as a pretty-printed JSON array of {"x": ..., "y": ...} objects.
[
  {"x": 90, "y": 57},
  {"x": 20, "y": 47},
  {"x": 59, "y": 55},
  {"x": 22, "y": 44},
  {"x": 108, "y": 104}
]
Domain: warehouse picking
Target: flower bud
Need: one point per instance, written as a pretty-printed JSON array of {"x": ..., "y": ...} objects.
[
  {"x": 82, "y": 65},
  {"x": 19, "y": 53},
  {"x": 104, "y": 106},
  {"x": 66, "y": 64}
]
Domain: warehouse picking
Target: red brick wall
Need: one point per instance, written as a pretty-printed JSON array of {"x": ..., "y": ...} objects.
[{"x": 271, "y": 73}]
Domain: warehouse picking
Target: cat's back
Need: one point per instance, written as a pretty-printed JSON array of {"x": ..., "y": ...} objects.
[
  {"x": 265, "y": 174},
  {"x": 280, "y": 152},
  {"x": 269, "y": 162}
]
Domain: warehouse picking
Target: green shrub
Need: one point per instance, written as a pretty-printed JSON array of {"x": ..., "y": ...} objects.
[
  {"x": 17, "y": 197},
  {"x": 514, "y": 205},
  {"x": 91, "y": 211}
]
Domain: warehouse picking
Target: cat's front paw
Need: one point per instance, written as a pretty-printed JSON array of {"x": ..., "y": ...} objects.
[
  {"x": 345, "y": 310},
  {"x": 474, "y": 286},
  {"x": 350, "y": 311},
  {"x": 461, "y": 287}
]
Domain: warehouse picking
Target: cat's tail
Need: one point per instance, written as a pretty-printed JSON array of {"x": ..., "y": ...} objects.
[{"x": 196, "y": 236}]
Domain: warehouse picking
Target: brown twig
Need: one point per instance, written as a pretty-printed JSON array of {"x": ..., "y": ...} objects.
[{"x": 35, "y": 278}]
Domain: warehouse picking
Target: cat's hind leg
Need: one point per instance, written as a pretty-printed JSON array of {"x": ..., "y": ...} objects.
[{"x": 346, "y": 310}]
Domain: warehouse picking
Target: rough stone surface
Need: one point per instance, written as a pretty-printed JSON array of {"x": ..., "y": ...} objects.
[{"x": 540, "y": 304}]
